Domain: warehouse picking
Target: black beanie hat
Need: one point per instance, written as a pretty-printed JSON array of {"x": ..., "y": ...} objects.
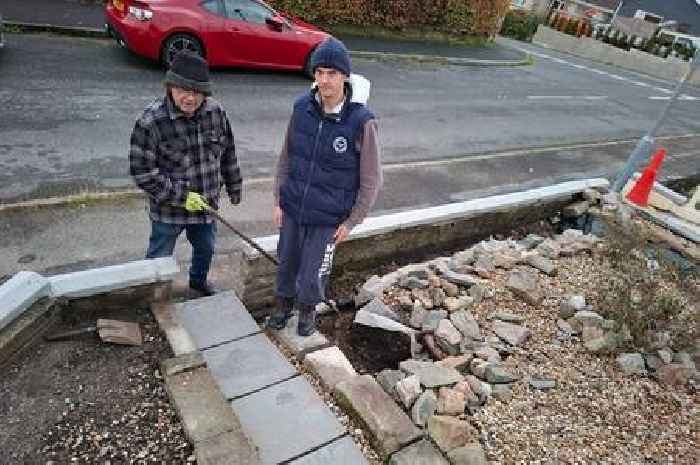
[
  {"x": 331, "y": 54},
  {"x": 189, "y": 71}
]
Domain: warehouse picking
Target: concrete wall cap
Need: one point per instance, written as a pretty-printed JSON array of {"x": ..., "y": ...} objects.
[
  {"x": 443, "y": 213},
  {"x": 100, "y": 280},
  {"x": 19, "y": 293}
]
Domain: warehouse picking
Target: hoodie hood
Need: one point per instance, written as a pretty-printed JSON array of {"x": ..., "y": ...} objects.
[{"x": 360, "y": 88}]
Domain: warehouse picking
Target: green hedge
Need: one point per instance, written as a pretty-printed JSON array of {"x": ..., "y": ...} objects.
[
  {"x": 520, "y": 25},
  {"x": 463, "y": 17}
]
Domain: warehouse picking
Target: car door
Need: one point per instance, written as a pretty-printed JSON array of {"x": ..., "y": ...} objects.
[
  {"x": 214, "y": 32},
  {"x": 258, "y": 42}
]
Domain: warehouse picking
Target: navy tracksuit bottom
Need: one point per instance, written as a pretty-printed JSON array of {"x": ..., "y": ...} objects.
[{"x": 305, "y": 254}]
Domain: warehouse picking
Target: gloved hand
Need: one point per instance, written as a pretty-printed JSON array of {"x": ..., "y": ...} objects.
[{"x": 195, "y": 203}]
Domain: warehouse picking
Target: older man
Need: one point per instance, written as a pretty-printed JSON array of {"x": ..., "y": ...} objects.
[{"x": 182, "y": 151}]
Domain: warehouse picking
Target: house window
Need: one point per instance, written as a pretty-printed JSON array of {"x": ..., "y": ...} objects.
[{"x": 518, "y": 3}]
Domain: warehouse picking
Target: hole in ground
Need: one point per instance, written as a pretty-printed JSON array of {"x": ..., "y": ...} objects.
[{"x": 369, "y": 350}]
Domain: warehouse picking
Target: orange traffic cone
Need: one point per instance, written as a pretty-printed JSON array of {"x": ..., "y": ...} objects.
[{"x": 640, "y": 192}]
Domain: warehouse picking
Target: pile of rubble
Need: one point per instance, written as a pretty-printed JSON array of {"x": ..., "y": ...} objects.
[{"x": 470, "y": 355}]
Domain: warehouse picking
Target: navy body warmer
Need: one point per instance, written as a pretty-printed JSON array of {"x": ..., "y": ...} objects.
[{"x": 324, "y": 162}]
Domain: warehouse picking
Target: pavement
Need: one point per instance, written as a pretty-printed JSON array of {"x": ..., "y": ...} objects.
[
  {"x": 82, "y": 233},
  {"x": 89, "y": 16}
]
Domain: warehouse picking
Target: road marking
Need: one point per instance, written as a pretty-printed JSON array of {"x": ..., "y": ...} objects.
[
  {"x": 567, "y": 97},
  {"x": 594, "y": 70},
  {"x": 521, "y": 152},
  {"x": 683, "y": 97}
]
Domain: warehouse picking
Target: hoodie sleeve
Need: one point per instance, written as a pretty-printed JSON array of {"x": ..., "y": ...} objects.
[
  {"x": 282, "y": 170},
  {"x": 371, "y": 178}
]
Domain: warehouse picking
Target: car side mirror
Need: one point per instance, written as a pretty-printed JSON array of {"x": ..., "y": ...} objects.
[{"x": 276, "y": 24}]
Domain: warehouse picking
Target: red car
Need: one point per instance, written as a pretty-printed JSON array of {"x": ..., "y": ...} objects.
[{"x": 245, "y": 33}]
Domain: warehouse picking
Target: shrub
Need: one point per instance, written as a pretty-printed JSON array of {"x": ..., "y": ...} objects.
[
  {"x": 571, "y": 28},
  {"x": 646, "y": 292},
  {"x": 520, "y": 25}
]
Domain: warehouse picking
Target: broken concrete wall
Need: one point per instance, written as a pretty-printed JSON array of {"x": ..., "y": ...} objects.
[{"x": 31, "y": 303}]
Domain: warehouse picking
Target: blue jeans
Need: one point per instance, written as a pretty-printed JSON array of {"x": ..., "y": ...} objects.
[{"x": 201, "y": 236}]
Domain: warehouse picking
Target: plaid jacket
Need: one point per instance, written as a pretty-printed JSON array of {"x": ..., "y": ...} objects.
[{"x": 172, "y": 154}]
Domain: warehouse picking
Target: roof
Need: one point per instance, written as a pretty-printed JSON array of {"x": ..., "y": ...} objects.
[{"x": 683, "y": 11}]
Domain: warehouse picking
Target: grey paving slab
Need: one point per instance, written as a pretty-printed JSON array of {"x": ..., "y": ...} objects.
[
  {"x": 246, "y": 365},
  {"x": 216, "y": 319},
  {"x": 341, "y": 452},
  {"x": 287, "y": 420}
]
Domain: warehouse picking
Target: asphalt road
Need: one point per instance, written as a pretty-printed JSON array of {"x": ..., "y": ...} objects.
[{"x": 69, "y": 105}]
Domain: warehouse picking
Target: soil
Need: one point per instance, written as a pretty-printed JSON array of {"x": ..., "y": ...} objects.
[
  {"x": 86, "y": 401},
  {"x": 368, "y": 350}
]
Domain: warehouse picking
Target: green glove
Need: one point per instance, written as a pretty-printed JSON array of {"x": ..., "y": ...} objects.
[{"x": 195, "y": 202}]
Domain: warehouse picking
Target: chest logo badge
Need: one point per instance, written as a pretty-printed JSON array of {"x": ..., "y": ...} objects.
[{"x": 340, "y": 144}]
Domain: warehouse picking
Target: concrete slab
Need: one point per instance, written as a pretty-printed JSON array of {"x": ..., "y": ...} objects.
[
  {"x": 19, "y": 293},
  {"x": 678, "y": 225},
  {"x": 300, "y": 345},
  {"x": 109, "y": 278},
  {"x": 341, "y": 452},
  {"x": 246, "y": 365},
  {"x": 216, "y": 319},
  {"x": 331, "y": 366},
  {"x": 226, "y": 449},
  {"x": 180, "y": 364},
  {"x": 180, "y": 340},
  {"x": 286, "y": 420},
  {"x": 200, "y": 405}
]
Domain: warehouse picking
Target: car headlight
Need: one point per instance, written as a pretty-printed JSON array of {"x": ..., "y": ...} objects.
[{"x": 142, "y": 14}]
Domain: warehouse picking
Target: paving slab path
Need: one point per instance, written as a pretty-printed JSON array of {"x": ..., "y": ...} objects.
[{"x": 277, "y": 408}]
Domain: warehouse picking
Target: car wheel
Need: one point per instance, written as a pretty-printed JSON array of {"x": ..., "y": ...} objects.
[{"x": 177, "y": 43}]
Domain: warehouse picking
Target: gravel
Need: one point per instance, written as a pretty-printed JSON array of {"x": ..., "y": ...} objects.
[{"x": 85, "y": 401}]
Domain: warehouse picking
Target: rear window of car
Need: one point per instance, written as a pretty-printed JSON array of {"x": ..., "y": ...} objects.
[{"x": 213, "y": 6}]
